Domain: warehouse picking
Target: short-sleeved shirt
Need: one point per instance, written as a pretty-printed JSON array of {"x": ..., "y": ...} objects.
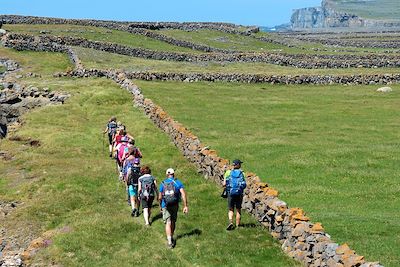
[{"x": 178, "y": 185}]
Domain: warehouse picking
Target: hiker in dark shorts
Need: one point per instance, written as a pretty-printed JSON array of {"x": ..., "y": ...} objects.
[
  {"x": 171, "y": 191},
  {"x": 111, "y": 129},
  {"x": 235, "y": 184},
  {"x": 147, "y": 190}
]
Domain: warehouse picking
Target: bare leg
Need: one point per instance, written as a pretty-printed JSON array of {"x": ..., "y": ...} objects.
[
  {"x": 237, "y": 217},
  {"x": 146, "y": 215}
]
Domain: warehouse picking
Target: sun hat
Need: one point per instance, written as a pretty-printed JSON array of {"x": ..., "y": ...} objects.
[{"x": 170, "y": 171}]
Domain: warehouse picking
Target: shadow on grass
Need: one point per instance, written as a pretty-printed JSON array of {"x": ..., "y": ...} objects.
[
  {"x": 191, "y": 233},
  {"x": 157, "y": 217},
  {"x": 248, "y": 225}
]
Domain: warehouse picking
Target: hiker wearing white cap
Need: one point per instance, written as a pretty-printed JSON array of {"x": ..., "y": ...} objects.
[{"x": 171, "y": 191}]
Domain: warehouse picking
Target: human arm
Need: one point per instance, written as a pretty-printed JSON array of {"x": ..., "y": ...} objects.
[{"x": 184, "y": 199}]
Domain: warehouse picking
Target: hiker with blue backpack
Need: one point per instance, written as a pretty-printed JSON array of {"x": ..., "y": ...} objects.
[
  {"x": 235, "y": 183},
  {"x": 171, "y": 192},
  {"x": 111, "y": 130},
  {"x": 148, "y": 191}
]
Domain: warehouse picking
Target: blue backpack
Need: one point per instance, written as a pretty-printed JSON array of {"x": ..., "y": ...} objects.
[{"x": 237, "y": 182}]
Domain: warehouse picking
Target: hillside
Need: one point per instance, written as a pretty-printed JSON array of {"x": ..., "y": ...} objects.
[
  {"x": 358, "y": 14},
  {"x": 369, "y": 9}
]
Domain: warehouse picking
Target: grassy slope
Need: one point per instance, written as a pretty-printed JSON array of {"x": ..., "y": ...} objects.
[
  {"x": 97, "y": 34},
  {"x": 332, "y": 150},
  {"x": 70, "y": 182},
  {"x": 373, "y": 9},
  {"x": 104, "y": 60}
]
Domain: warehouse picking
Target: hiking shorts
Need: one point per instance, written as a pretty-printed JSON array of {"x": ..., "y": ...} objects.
[
  {"x": 170, "y": 213},
  {"x": 147, "y": 203},
  {"x": 110, "y": 139},
  {"x": 235, "y": 202},
  {"x": 132, "y": 190}
]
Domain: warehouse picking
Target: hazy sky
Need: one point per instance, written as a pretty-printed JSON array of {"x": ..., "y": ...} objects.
[{"x": 246, "y": 12}]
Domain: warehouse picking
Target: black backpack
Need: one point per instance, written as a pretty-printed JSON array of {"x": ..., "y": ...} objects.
[
  {"x": 148, "y": 186},
  {"x": 133, "y": 178},
  {"x": 170, "y": 194}
]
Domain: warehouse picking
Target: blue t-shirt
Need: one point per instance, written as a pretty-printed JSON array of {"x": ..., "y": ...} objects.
[{"x": 178, "y": 186}]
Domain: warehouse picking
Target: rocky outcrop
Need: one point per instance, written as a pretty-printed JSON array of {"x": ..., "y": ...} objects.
[
  {"x": 16, "y": 100},
  {"x": 327, "y": 17}
]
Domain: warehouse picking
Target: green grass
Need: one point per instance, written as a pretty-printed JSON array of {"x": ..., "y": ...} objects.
[
  {"x": 223, "y": 40},
  {"x": 69, "y": 181},
  {"x": 2, "y": 69},
  {"x": 332, "y": 150},
  {"x": 97, "y": 34},
  {"x": 373, "y": 9},
  {"x": 104, "y": 60},
  {"x": 33, "y": 61}
]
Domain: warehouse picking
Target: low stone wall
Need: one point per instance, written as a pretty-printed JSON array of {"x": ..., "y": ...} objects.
[
  {"x": 122, "y": 25},
  {"x": 38, "y": 43},
  {"x": 271, "y": 79}
]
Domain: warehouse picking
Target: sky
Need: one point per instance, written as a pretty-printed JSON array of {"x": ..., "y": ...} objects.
[{"x": 244, "y": 12}]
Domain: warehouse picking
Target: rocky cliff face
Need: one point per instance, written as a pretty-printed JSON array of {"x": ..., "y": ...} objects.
[{"x": 327, "y": 17}]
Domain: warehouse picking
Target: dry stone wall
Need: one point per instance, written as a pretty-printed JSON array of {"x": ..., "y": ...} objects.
[
  {"x": 22, "y": 41},
  {"x": 271, "y": 79}
]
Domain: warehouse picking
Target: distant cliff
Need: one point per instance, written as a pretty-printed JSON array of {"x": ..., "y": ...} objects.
[{"x": 327, "y": 16}]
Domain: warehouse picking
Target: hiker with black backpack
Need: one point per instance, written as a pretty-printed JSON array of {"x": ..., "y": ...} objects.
[
  {"x": 148, "y": 191},
  {"x": 171, "y": 191},
  {"x": 132, "y": 180},
  {"x": 235, "y": 183},
  {"x": 111, "y": 130}
]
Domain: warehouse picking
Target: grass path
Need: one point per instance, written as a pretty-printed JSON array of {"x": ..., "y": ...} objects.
[{"x": 72, "y": 184}]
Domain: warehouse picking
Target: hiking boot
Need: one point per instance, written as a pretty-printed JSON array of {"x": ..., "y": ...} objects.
[
  {"x": 170, "y": 245},
  {"x": 133, "y": 213},
  {"x": 137, "y": 213},
  {"x": 230, "y": 227}
]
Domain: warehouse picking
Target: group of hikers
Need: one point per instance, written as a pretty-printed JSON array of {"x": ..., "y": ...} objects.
[{"x": 141, "y": 186}]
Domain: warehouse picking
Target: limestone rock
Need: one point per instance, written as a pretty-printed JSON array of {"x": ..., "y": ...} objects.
[{"x": 385, "y": 89}]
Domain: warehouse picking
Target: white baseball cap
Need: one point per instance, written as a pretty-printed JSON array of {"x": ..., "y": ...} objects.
[{"x": 170, "y": 171}]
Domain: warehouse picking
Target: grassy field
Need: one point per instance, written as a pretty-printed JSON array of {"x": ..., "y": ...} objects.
[
  {"x": 104, "y": 60},
  {"x": 373, "y": 9},
  {"x": 97, "y": 34},
  {"x": 222, "y": 40},
  {"x": 332, "y": 150},
  {"x": 70, "y": 183}
]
